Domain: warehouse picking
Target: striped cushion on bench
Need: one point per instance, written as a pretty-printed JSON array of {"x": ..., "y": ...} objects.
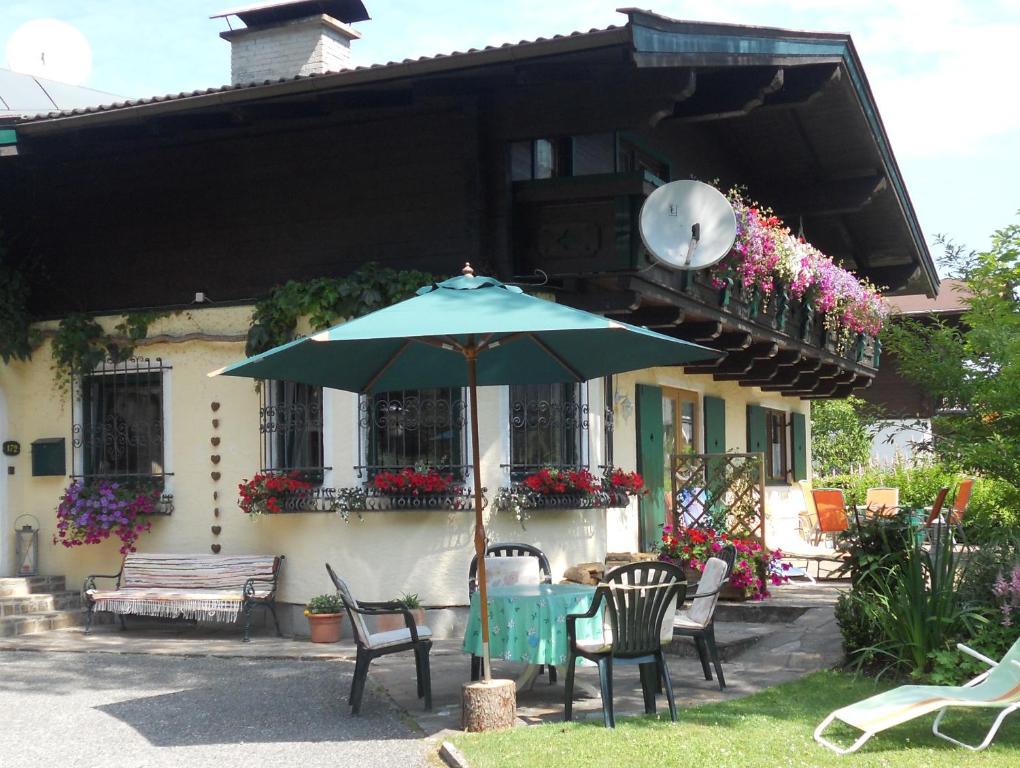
[{"x": 187, "y": 586}]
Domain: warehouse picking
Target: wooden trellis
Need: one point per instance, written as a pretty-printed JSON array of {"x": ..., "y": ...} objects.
[{"x": 725, "y": 491}]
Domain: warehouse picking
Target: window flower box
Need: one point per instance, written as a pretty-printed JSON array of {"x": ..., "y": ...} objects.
[{"x": 569, "y": 489}]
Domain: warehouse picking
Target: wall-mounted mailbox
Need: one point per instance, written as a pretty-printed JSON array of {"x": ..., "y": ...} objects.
[{"x": 48, "y": 457}]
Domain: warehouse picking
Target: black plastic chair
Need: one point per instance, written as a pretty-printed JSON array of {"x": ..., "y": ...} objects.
[
  {"x": 637, "y": 598},
  {"x": 373, "y": 645},
  {"x": 508, "y": 550}
]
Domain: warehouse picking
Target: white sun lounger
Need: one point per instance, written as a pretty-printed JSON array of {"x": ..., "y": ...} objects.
[{"x": 998, "y": 688}]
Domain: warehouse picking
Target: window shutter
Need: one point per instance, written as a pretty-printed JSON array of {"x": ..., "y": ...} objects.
[
  {"x": 651, "y": 463},
  {"x": 799, "y": 446},
  {"x": 756, "y": 437},
  {"x": 715, "y": 424}
]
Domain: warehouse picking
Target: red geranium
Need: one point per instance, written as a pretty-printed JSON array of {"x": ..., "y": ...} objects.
[
  {"x": 630, "y": 483},
  {"x": 413, "y": 482},
  {"x": 263, "y": 493},
  {"x": 551, "y": 482}
]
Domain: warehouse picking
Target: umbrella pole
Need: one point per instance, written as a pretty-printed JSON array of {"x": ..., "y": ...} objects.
[{"x": 483, "y": 604}]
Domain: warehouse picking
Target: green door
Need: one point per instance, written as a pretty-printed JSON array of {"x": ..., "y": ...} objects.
[{"x": 651, "y": 463}]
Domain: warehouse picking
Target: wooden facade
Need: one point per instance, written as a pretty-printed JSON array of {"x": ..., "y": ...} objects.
[{"x": 422, "y": 165}]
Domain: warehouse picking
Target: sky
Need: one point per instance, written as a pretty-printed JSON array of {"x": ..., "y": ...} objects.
[{"x": 943, "y": 71}]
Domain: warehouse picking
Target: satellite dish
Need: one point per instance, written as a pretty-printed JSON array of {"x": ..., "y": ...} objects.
[
  {"x": 51, "y": 49},
  {"x": 687, "y": 225}
]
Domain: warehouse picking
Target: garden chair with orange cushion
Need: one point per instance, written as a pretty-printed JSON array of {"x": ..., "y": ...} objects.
[
  {"x": 884, "y": 502},
  {"x": 953, "y": 517},
  {"x": 830, "y": 506}
]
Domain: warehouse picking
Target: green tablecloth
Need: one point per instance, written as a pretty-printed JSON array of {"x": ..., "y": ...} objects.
[{"x": 527, "y": 622}]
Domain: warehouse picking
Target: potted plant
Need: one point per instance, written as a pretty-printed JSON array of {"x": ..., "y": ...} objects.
[
  {"x": 90, "y": 513},
  {"x": 754, "y": 566},
  {"x": 409, "y": 600},
  {"x": 414, "y": 481},
  {"x": 324, "y": 613}
]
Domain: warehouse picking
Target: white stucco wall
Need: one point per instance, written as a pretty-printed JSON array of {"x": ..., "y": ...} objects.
[{"x": 382, "y": 555}]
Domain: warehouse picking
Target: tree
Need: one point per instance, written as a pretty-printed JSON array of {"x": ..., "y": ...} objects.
[
  {"x": 973, "y": 370},
  {"x": 840, "y": 435}
]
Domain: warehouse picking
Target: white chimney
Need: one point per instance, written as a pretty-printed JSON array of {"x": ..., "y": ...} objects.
[{"x": 287, "y": 38}]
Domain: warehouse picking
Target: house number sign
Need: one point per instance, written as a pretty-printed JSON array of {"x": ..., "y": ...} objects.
[{"x": 12, "y": 447}]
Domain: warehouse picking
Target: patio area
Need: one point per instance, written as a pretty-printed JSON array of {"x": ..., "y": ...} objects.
[{"x": 762, "y": 644}]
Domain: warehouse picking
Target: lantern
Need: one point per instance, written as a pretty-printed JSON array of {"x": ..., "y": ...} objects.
[{"x": 26, "y": 547}]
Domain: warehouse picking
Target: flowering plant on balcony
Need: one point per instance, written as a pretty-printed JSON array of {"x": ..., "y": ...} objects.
[
  {"x": 413, "y": 481},
  {"x": 766, "y": 254},
  {"x": 753, "y": 566},
  {"x": 630, "y": 483},
  {"x": 90, "y": 513},
  {"x": 265, "y": 492}
]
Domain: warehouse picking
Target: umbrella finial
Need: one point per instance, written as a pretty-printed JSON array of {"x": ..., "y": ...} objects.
[{"x": 468, "y": 270}]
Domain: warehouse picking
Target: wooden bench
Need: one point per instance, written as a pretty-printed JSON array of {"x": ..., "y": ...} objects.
[{"x": 197, "y": 587}]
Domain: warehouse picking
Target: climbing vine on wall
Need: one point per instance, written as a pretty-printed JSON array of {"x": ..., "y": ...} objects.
[
  {"x": 327, "y": 300},
  {"x": 15, "y": 323},
  {"x": 80, "y": 343}
]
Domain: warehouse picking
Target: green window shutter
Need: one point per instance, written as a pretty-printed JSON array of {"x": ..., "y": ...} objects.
[
  {"x": 799, "y": 446},
  {"x": 651, "y": 464},
  {"x": 715, "y": 424},
  {"x": 756, "y": 437}
]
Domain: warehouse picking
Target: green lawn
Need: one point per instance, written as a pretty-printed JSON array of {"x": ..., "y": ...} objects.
[{"x": 770, "y": 729}]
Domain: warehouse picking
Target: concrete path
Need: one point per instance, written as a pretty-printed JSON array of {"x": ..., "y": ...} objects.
[
  {"x": 169, "y": 693},
  {"x": 116, "y": 711}
]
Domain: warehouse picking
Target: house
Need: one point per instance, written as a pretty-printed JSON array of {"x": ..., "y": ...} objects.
[
  {"x": 176, "y": 214},
  {"x": 906, "y": 410}
]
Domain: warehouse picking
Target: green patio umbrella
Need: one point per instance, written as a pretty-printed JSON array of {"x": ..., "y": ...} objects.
[{"x": 468, "y": 331}]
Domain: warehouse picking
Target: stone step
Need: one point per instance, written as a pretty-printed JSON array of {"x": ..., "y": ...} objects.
[
  {"x": 11, "y": 626},
  {"x": 30, "y": 585},
  {"x": 39, "y": 603},
  {"x": 788, "y": 602},
  {"x": 731, "y": 638}
]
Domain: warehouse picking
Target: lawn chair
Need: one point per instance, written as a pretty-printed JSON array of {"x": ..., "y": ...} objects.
[
  {"x": 884, "y": 502},
  {"x": 830, "y": 506},
  {"x": 372, "y": 645},
  {"x": 998, "y": 688},
  {"x": 953, "y": 518},
  {"x": 698, "y": 621},
  {"x": 639, "y": 598},
  {"x": 542, "y": 574}
]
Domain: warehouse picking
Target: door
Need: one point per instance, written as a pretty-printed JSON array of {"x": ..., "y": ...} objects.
[
  {"x": 652, "y": 506},
  {"x": 679, "y": 434}
]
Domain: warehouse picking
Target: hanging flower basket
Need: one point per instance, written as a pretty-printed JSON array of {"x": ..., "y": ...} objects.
[{"x": 92, "y": 512}]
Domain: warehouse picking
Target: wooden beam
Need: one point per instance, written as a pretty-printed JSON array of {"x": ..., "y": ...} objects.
[
  {"x": 738, "y": 362},
  {"x": 608, "y": 302},
  {"x": 729, "y": 93},
  {"x": 655, "y": 317},
  {"x": 733, "y": 341},
  {"x": 830, "y": 197},
  {"x": 702, "y": 332}
]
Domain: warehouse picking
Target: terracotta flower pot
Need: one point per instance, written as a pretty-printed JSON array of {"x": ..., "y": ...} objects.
[
  {"x": 391, "y": 621},
  {"x": 325, "y": 627}
]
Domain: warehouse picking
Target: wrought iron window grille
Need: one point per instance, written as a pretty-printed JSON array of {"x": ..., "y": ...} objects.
[
  {"x": 413, "y": 428},
  {"x": 291, "y": 430},
  {"x": 548, "y": 428},
  {"x": 117, "y": 431}
]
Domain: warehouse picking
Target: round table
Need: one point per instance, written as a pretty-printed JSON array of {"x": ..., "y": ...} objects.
[{"x": 528, "y": 622}]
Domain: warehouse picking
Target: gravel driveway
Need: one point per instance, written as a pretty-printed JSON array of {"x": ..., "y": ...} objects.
[{"x": 106, "y": 711}]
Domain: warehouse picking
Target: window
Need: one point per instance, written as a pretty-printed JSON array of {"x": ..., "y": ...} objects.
[
  {"x": 290, "y": 417},
  {"x": 608, "y": 400},
  {"x": 119, "y": 432},
  {"x": 547, "y": 158},
  {"x": 634, "y": 156},
  {"x": 547, "y": 423},
  {"x": 776, "y": 451},
  {"x": 413, "y": 427}
]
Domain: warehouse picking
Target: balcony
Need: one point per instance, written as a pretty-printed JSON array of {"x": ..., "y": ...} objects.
[{"x": 583, "y": 232}]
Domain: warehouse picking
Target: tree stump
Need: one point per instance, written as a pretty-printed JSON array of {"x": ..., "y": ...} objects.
[{"x": 489, "y": 706}]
